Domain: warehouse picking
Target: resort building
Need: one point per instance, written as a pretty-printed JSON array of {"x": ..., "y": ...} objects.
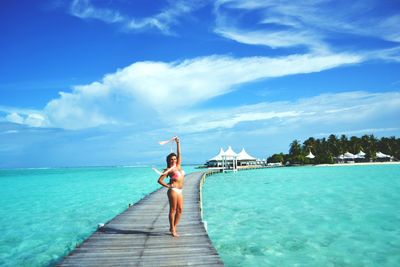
[
  {"x": 216, "y": 161},
  {"x": 383, "y": 157},
  {"x": 229, "y": 159},
  {"x": 310, "y": 155},
  {"x": 244, "y": 159},
  {"x": 347, "y": 158},
  {"x": 360, "y": 157}
]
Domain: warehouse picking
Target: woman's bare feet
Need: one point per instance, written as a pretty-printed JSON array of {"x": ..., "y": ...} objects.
[{"x": 173, "y": 232}]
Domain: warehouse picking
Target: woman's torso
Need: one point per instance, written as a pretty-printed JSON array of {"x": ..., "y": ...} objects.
[{"x": 177, "y": 177}]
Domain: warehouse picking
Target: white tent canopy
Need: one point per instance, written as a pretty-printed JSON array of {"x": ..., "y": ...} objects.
[
  {"x": 219, "y": 156},
  {"x": 348, "y": 155},
  {"x": 244, "y": 156},
  {"x": 227, "y": 157},
  {"x": 229, "y": 153},
  {"x": 310, "y": 155},
  {"x": 381, "y": 155},
  {"x": 360, "y": 155}
]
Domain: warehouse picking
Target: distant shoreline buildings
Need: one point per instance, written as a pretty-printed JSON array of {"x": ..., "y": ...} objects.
[
  {"x": 360, "y": 157},
  {"x": 230, "y": 160}
]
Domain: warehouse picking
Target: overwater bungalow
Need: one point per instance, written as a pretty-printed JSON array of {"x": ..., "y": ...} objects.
[
  {"x": 229, "y": 159},
  {"x": 244, "y": 159}
]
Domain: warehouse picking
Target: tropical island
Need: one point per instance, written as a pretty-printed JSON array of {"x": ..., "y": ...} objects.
[
  {"x": 332, "y": 150},
  {"x": 341, "y": 149}
]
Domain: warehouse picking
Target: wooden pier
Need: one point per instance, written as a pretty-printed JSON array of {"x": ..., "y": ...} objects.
[{"x": 140, "y": 235}]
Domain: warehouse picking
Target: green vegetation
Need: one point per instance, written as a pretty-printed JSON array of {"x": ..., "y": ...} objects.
[{"x": 325, "y": 150}]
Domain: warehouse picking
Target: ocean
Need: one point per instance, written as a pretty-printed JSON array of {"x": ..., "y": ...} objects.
[
  {"x": 305, "y": 216},
  {"x": 297, "y": 216},
  {"x": 46, "y": 212}
]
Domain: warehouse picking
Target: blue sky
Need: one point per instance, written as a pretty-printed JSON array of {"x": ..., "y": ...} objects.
[{"x": 100, "y": 82}]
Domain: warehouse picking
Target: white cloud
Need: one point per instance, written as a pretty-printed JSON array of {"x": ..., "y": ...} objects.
[
  {"x": 390, "y": 28},
  {"x": 85, "y": 10},
  {"x": 146, "y": 93},
  {"x": 161, "y": 21},
  {"x": 15, "y": 118},
  {"x": 152, "y": 89},
  {"x": 28, "y": 117},
  {"x": 275, "y": 39},
  {"x": 35, "y": 120},
  {"x": 165, "y": 18},
  {"x": 311, "y": 23},
  {"x": 222, "y": 119},
  {"x": 390, "y": 54},
  {"x": 327, "y": 109}
]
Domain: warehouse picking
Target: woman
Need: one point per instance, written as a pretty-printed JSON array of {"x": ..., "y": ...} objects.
[{"x": 175, "y": 197}]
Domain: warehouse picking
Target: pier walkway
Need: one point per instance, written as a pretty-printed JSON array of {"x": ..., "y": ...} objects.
[{"x": 140, "y": 235}]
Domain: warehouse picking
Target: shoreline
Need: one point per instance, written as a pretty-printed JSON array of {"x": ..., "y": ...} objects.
[
  {"x": 359, "y": 164},
  {"x": 308, "y": 165}
]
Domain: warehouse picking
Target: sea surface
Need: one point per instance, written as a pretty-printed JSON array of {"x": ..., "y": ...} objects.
[
  {"x": 305, "y": 216},
  {"x": 46, "y": 212}
]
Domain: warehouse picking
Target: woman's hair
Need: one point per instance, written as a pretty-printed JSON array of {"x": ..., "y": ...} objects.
[{"x": 169, "y": 157}]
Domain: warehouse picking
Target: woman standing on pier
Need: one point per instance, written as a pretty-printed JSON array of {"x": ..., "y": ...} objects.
[{"x": 177, "y": 176}]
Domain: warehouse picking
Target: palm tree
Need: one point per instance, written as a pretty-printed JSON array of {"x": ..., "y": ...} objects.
[
  {"x": 354, "y": 144},
  {"x": 309, "y": 145},
  {"x": 343, "y": 144},
  {"x": 295, "y": 152},
  {"x": 333, "y": 145},
  {"x": 372, "y": 149}
]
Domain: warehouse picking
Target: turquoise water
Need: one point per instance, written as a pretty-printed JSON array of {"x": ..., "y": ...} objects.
[
  {"x": 46, "y": 212},
  {"x": 306, "y": 216}
]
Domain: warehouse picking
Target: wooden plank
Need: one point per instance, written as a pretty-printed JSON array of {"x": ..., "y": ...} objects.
[{"x": 140, "y": 235}]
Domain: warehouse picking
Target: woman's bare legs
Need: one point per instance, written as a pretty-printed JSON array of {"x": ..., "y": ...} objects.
[
  {"x": 173, "y": 203},
  {"x": 179, "y": 209}
]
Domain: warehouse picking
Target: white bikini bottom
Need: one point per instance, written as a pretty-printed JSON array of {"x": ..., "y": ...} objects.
[{"x": 177, "y": 190}]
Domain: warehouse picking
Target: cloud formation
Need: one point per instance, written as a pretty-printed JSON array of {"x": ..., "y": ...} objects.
[
  {"x": 313, "y": 24},
  {"x": 327, "y": 109},
  {"x": 152, "y": 89},
  {"x": 88, "y": 106},
  {"x": 29, "y": 117},
  {"x": 263, "y": 129},
  {"x": 161, "y": 21}
]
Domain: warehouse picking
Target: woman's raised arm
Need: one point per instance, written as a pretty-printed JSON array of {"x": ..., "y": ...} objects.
[{"x": 178, "y": 152}]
